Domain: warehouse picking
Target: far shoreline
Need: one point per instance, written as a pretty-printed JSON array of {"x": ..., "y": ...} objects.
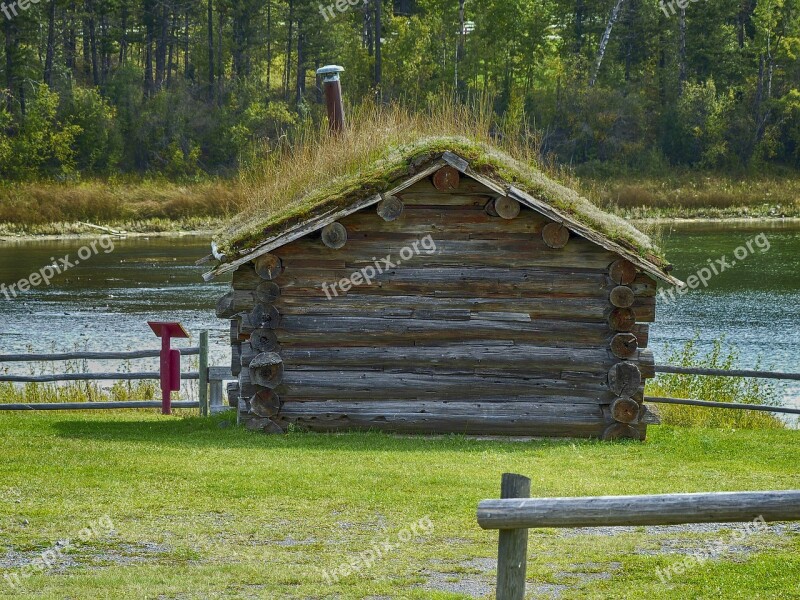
[{"x": 14, "y": 238}]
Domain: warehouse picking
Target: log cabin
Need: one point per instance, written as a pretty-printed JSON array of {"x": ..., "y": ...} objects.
[{"x": 456, "y": 291}]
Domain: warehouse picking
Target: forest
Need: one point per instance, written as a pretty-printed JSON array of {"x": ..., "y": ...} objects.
[{"x": 188, "y": 89}]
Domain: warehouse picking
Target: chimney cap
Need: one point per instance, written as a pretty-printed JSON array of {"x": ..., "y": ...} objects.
[{"x": 330, "y": 72}]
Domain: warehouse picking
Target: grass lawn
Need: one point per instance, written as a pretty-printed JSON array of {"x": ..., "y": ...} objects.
[{"x": 201, "y": 509}]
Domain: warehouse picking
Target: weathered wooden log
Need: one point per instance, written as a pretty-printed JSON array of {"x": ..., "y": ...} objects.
[
  {"x": 232, "y": 390},
  {"x": 262, "y": 316},
  {"x": 236, "y": 359},
  {"x": 334, "y": 235},
  {"x": 622, "y": 319},
  {"x": 455, "y": 384},
  {"x": 265, "y": 403},
  {"x": 446, "y": 179},
  {"x": 622, "y": 272},
  {"x": 520, "y": 308},
  {"x": 625, "y": 410},
  {"x": 522, "y": 251},
  {"x": 268, "y": 266},
  {"x": 236, "y": 324},
  {"x": 624, "y": 379},
  {"x": 523, "y": 359},
  {"x": 622, "y": 297},
  {"x": 390, "y": 208},
  {"x": 489, "y": 208},
  {"x": 238, "y": 301},
  {"x": 506, "y": 207},
  {"x": 247, "y": 389},
  {"x": 246, "y": 278},
  {"x": 264, "y": 340},
  {"x": 557, "y": 419},
  {"x": 621, "y": 431},
  {"x": 266, "y": 370},
  {"x": 624, "y": 345},
  {"x": 264, "y": 425},
  {"x": 659, "y": 509},
  {"x": 555, "y": 235}
]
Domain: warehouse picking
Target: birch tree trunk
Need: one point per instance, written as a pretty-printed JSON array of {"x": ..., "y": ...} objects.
[{"x": 604, "y": 41}]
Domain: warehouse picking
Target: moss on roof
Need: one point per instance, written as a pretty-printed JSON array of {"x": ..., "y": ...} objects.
[{"x": 251, "y": 228}]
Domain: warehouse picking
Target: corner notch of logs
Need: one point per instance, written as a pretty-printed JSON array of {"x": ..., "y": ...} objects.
[{"x": 625, "y": 377}]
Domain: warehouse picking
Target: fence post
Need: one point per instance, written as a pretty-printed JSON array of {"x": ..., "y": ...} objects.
[
  {"x": 512, "y": 551},
  {"x": 203, "y": 373}
]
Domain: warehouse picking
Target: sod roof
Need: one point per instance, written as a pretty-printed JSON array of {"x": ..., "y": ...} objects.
[{"x": 255, "y": 231}]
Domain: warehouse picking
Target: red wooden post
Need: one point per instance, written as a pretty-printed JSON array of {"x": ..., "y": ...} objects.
[{"x": 170, "y": 362}]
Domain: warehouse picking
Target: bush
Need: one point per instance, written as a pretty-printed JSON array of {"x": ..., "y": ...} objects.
[{"x": 717, "y": 389}]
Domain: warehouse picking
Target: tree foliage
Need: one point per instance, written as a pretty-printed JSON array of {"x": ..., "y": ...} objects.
[{"x": 186, "y": 88}]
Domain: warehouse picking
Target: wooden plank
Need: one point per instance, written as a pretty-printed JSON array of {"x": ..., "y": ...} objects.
[{"x": 659, "y": 509}]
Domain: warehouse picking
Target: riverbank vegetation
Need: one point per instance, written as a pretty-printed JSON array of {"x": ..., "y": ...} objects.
[
  {"x": 186, "y": 506},
  {"x": 717, "y": 389}
]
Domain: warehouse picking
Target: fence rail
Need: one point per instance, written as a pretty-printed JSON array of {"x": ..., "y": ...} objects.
[
  {"x": 515, "y": 513},
  {"x": 210, "y": 379},
  {"x": 194, "y": 351},
  {"x": 730, "y": 405},
  {"x": 727, "y": 373}
]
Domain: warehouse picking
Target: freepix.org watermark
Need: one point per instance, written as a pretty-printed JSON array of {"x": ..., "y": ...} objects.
[
  {"x": 10, "y": 9},
  {"x": 50, "y": 558},
  {"x": 697, "y": 558},
  {"x": 669, "y": 7},
  {"x": 367, "y": 275},
  {"x": 57, "y": 267},
  {"x": 715, "y": 267},
  {"x": 341, "y": 6},
  {"x": 378, "y": 550}
]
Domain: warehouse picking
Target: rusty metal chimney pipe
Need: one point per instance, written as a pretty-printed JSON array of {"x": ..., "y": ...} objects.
[{"x": 333, "y": 96}]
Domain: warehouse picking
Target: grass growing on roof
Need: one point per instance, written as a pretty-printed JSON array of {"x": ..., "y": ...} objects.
[{"x": 316, "y": 171}]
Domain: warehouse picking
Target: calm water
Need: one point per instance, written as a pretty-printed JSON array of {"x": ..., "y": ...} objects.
[{"x": 104, "y": 302}]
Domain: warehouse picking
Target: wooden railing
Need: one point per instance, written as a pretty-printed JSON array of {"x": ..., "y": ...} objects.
[
  {"x": 726, "y": 373},
  {"x": 210, "y": 379},
  {"x": 516, "y": 512}
]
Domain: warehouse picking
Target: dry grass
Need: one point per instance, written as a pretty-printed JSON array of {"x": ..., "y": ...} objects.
[
  {"x": 26, "y": 208},
  {"x": 687, "y": 194},
  {"x": 315, "y": 171}
]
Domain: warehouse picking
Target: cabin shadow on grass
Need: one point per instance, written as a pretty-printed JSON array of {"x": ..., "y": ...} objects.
[{"x": 220, "y": 432}]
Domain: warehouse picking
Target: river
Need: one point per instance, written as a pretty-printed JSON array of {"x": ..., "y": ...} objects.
[{"x": 104, "y": 302}]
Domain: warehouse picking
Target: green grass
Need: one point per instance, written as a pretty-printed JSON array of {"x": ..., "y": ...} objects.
[{"x": 202, "y": 510}]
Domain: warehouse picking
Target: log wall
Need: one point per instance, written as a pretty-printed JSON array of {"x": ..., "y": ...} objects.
[{"x": 511, "y": 326}]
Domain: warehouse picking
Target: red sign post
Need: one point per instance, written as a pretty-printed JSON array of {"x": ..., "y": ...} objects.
[{"x": 170, "y": 361}]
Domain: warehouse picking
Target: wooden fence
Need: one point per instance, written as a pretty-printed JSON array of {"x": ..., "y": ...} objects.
[
  {"x": 210, "y": 379},
  {"x": 516, "y": 512},
  {"x": 726, "y": 373}
]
